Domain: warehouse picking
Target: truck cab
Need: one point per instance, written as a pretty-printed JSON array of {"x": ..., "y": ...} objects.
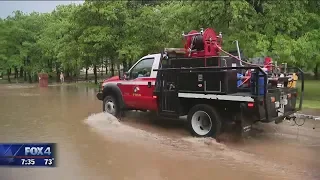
[{"x": 135, "y": 90}]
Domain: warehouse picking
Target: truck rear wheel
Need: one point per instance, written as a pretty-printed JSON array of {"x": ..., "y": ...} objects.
[
  {"x": 111, "y": 106},
  {"x": 204, "y": 121}
]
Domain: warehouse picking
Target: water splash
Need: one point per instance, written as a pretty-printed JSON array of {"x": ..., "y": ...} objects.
[
  {"x": 109, "y": 126},
  {"x": 102, "y": 119}
]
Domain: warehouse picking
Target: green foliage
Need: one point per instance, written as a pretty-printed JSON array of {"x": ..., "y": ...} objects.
[
  {"x": 79, "y": 36},
  {"x": 311, "y": 98}
]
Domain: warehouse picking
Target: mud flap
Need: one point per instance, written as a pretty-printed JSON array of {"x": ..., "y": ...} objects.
[
  {"x": 243, "y": 127},
  {"x": 100, "y": 96},
  {"x": 244, "y": 124},
  {"x": 246, "y": 127}
]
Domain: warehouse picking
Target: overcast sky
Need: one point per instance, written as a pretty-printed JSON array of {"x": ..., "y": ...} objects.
[{"x": 7, "y": 7}]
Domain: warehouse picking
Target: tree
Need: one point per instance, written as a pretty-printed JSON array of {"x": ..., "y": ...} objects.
[{"x": 97, "y": 33}]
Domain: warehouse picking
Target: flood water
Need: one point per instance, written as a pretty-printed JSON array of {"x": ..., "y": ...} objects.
[{"x": 93, "y": 145}]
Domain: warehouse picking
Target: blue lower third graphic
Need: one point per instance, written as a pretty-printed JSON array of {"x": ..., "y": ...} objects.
[{"x": 28, "y": 155}]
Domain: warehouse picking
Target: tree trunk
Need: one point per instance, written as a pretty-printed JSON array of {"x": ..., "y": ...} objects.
[
  {"x": 24, "y": 72},
  {"x": 21, "y": 72},
  {"x": 75, "y": 76},
  {"x": 315, "y": 71},
  {"x": 8, "y": 74},
  {"x": 112, "y": 68},
  {"x": 57, "y": 73},
  {"x": 124, "y": 64},
  {"x": 67, "y": 73},
  {"x": 257, "y": 5},
  {"x": 29, "y": 77},
  {"x": 226, "y": 7},
  {"x": 25, "y": 75},
  {"x": 16, "y": 73},
  {"x": 35, "y": 78},
  {"x": 118, "y": 68},
  {"x": 106, "y": 66},
  {"x": 86, "y": 78},
  {"x": 95, "y": 74},
  {"x": 50, "y": 68},
  {"x": 28, "y": 73},
  {"x": 101, "y": 72},
  {"x": 130, "y": 64}
]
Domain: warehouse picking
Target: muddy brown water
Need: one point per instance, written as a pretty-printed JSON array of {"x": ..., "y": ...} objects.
[{"x": 94, "y": 145}]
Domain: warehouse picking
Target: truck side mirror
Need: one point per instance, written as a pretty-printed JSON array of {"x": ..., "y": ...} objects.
[{"x": 126, "y": 75}]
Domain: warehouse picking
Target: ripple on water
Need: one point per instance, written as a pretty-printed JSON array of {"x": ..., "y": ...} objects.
[
  {"x": 19, "y": 86},
  {"x": 28, "y": 94}
]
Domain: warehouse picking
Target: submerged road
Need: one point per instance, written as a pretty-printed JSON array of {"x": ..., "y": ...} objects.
[{"x": 93, "y": 145}]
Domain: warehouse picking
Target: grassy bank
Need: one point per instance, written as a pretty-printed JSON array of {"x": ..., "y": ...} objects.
[{"x": 311, "y": 94}]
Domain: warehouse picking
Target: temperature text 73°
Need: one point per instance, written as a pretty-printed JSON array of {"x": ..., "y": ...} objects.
[{"x": 48, "y": 161}]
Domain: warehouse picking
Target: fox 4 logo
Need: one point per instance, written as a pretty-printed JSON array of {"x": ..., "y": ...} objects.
[{"x": 37, "y": 151}]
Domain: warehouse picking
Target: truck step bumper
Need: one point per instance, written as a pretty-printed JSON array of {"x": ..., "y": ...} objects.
[
  {"x": 279, "y": 119},
  {"x": 100, "y": 96}
]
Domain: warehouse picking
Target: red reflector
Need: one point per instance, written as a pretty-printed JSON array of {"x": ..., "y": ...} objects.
[
  {"x": 250, "y": 105},
  {"x": 261, "y": 102},
  {"x": 273, "y": 99}
]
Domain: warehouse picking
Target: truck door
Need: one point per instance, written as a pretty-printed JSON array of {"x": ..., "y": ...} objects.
[{"x": 138, "y": 89}]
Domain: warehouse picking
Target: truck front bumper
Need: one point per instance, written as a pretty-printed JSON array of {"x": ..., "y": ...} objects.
[{"x": 100, "y": 96}]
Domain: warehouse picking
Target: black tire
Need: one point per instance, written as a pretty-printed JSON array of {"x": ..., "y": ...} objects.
[
  {"x": 116, "y": 107},
  {"x": 209, "y": 114}
]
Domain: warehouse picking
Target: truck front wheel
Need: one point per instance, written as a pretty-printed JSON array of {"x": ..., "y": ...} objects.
[
  {"x": 111, "y": 106},
  {"x": 204, "y": 121}
]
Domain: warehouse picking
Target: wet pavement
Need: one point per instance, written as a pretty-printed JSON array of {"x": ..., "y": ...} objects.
[{"x": 94, "y": 145}]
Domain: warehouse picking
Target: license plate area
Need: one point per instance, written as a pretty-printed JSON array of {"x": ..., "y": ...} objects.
[{"x": 283, "y": 100}]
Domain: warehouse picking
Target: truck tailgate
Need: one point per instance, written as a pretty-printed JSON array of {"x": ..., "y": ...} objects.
[{"x": 280, "y": 103}]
